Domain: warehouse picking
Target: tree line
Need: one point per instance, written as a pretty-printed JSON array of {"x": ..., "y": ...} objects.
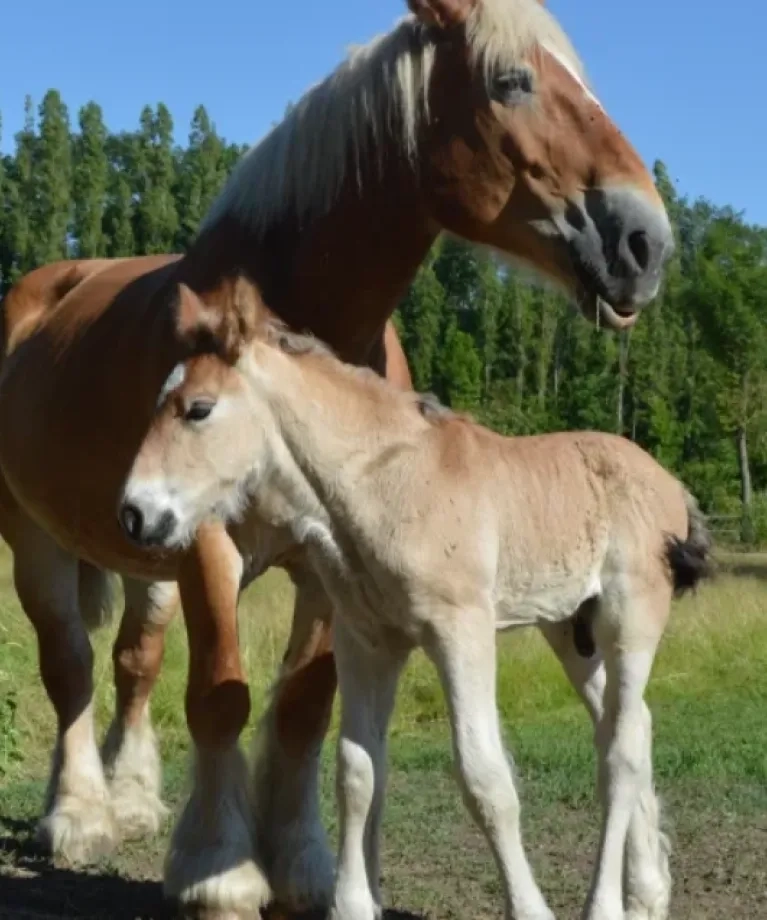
[{"x": 688, "y": 382}]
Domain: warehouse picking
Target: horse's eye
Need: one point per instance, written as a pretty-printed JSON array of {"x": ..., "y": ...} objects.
[
  {"x": 512, "y": 87},
  {"x": 199, "y": 410}
]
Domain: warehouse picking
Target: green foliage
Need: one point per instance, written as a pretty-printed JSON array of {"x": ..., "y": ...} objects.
[
  {"x": 420, "y": 320},
  {"x": 10, "y": 738},
  {"x": 89, "y": 193},
  {"x": 461, "y": 369},
  {"x": 91, "y": 171},
  {"x": 51, "y": 183},
  {"x": 201, "y": 174},
  {"x": 688, "y": 382}
]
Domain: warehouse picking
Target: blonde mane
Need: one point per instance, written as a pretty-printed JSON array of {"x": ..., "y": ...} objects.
[{"x": 379, "y": 92}]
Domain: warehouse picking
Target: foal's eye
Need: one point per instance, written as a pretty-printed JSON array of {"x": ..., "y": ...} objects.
[
  {"x": 198, "y": 410},
  {"x": 512, "y": 87}
]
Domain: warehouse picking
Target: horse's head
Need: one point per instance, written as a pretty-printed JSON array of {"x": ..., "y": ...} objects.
[{"x": 517, "y": 153}]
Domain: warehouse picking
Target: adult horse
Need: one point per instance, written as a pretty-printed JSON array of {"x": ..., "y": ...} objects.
[{"x": 470, "y": 116}]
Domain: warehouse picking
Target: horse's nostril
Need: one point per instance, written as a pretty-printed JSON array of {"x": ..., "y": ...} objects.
[
  {"x": 132, "y": 520},
  {"x": 639, "y": 247}
]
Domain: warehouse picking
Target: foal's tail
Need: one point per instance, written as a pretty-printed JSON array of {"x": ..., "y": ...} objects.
[
  {"x": 690, "y": 559},
  {"x": 97, "y": 595}
]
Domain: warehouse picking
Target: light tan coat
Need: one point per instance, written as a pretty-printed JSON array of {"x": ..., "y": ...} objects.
[{"x": 429, "y": 530}]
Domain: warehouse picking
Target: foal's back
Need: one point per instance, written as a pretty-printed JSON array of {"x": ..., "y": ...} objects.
[{"x": 551, "y": 519}]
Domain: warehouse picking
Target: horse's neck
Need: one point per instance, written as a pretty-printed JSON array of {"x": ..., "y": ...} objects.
[{"x": 341, "y": 275}]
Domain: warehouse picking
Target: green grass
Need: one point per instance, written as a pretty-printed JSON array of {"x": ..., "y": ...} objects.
[{"x": 708, "y": 696}]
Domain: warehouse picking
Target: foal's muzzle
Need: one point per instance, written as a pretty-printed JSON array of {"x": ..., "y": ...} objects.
[{"x": 146, "y": 529}]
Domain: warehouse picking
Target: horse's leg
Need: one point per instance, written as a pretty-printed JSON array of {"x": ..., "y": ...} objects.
[
  {"x": 130, "y": 753},
  {"x": 287, "y": 750},
  {"x": 211, "y": 865},
  {"x": 647, "y": 876},
  {"x": 627, "y": 629},
  {"x": 368, "y": 684},
  {"x": 463, "y": 649},
  {"x": 78, "y": 823}
]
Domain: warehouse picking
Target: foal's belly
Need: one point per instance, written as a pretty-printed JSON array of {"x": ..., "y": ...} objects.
[{"x": 550, "y": 603}]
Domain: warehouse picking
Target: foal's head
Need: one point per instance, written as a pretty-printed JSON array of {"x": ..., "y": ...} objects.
[
  {"x": 209, "y": 436},
  {"x": 517, "y": 153}
]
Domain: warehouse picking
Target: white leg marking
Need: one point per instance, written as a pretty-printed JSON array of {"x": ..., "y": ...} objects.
[
  {"x": 647, "y": 875},
  {"x": 211, "y": 867},
  {"x": 647, "y": 880},
  {"x": 133, "y": 769},
  {"x": 623, "y": 767},
  {"x": 465, "y": 656},
  {"x": 368, "y": 685},
  {"x": 130, "y": 751},
  {"x": 79, "y": 822}
]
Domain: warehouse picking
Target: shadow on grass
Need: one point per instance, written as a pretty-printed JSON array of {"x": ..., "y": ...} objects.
[{"x": 32, "y": 888}]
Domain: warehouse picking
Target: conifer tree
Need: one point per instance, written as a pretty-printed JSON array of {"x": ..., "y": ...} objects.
[
  {"x": 52, "y": 182},
  {"x": 90, "y": 176}
]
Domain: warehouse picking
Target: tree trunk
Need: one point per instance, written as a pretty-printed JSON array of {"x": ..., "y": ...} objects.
[
  {"x": 623, "y": 360},
  {"x": 746, "y": 489}
]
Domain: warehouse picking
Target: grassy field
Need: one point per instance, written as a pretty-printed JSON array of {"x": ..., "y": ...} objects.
[{"x": 709, "y": 700}]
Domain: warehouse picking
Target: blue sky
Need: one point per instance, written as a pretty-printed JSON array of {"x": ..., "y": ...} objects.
[{"x": 683, "y": 84}]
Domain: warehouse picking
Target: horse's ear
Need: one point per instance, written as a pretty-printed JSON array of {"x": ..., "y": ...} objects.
[{"x": 442, "y": 13}]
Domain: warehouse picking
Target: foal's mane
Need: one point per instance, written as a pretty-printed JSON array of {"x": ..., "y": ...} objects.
[
  {"x": 296, "y": 344},
  {"x": 379, "y": 93}
]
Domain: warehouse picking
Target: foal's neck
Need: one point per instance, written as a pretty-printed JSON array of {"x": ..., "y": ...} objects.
[
  {"x": 339, "y": 275},
  {"x": 337, "y": 427}
]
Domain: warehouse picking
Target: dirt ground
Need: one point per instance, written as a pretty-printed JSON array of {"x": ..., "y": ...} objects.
[{"x": 718, "y": 865}]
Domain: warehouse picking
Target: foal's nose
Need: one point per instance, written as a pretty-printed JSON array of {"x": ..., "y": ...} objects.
[
  {"x": 132, "y": 521},
  {"x": 147, "y": 527}
]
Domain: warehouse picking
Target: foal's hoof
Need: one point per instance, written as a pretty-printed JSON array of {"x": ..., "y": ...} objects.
[
  {"x": 78, "y": 831},
  {"x": 658, "y": 912}
]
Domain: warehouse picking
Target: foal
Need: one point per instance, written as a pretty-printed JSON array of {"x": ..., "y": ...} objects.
[{"x": 430, "y": 530}]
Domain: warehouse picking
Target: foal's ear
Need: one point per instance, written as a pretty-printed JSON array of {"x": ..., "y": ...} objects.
[
  {"x": 442, "y": 13},
  {"x": 197, "y": 324},
  {"x": 220, "y": 328}
]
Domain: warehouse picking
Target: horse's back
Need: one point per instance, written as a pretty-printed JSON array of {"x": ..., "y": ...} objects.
[{"x": 37, "y": 294}]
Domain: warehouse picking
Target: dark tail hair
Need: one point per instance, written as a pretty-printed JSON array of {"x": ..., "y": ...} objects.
[{"x": 690, "y": 559}]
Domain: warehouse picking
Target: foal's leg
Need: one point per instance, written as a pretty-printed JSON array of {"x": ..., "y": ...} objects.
[
  {"x": 130, "y": 752},
  {"x": 368, "y": 683},
  {"x": 464, "y": 652},
  {"x": 647, "y": 877},
  {"x": 78, "y": 823},
  {"x": 628, "y": 638},
  {"x": 287, "y": 750},
  {"x": 211, "y": 867}
]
